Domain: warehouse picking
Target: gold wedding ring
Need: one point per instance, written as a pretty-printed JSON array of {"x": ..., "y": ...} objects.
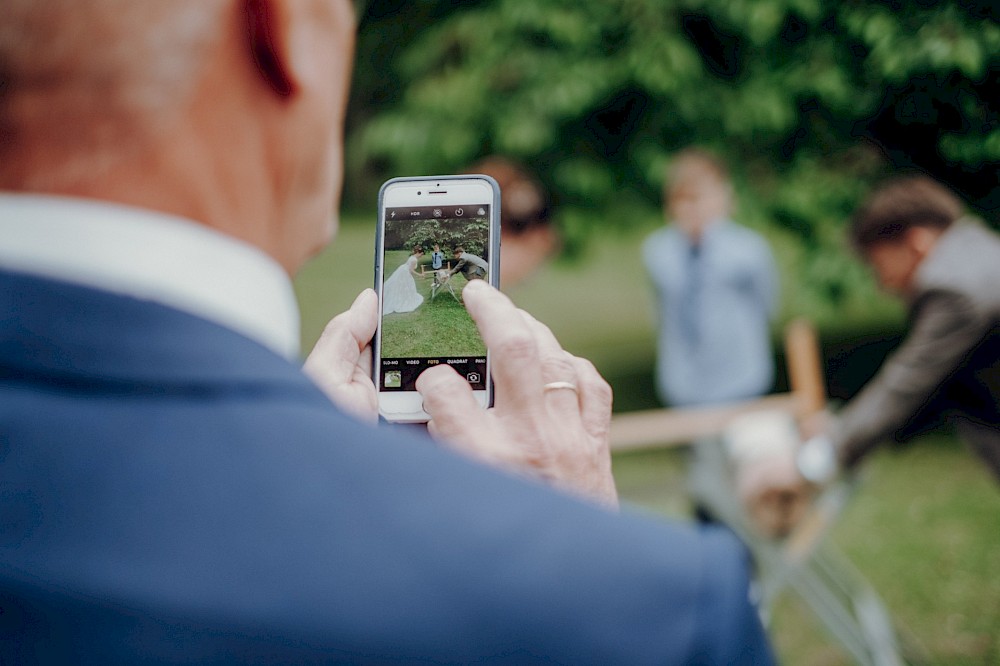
[{"x": 553, "y": 386}]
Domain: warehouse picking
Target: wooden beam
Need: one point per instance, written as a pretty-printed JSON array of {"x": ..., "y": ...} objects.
[
  {"x": 805, "y": 366},
  {"x": 658, "y": 428}
]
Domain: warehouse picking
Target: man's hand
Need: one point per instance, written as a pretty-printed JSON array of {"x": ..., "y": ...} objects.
[
  {"x": 340, "y": 363},
  {"x": 763, "y": 449},
  {"x": 552, "y": 413},
  {"x": 818, "y": 423},
  {"x": 773, "y": 493}
]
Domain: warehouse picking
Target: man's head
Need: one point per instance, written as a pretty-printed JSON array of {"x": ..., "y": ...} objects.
[
  {"x": 697, "y": 191},
  {"x": 458, "y": 251},
  {"x": 228, "y": 112},
  {"x": 524, "y": 204},
  {"x": 528, "y": 236},
  {"x": 898, "y": 226}
]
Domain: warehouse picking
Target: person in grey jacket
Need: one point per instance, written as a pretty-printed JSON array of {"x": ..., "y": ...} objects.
[
  {"x": 915, "y": 235},
  {"x": 472, "y": 266}
]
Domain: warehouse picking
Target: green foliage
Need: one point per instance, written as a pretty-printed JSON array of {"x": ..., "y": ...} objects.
[
  {"x": 808, "y": 101},
  {"x": 470, "y": 233}
]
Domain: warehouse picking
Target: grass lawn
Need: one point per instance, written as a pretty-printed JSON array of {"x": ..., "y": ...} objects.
[
  {"x": 438, "y": 327},
  {"x": 924, "y": 527}
]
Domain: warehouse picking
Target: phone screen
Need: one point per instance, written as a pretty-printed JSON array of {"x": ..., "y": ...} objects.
[{"x": 431, "y": 249}]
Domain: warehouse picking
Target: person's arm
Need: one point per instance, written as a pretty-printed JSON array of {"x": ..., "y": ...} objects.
[
  {"x": 340, "y": 363},
  {"x": 946, "y": 325}
]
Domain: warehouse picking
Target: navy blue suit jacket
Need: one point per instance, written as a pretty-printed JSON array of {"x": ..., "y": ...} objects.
[{"x": 172, "y": 491}]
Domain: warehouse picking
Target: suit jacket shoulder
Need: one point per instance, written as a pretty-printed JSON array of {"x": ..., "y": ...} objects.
[{"x": 175, "y": 492}]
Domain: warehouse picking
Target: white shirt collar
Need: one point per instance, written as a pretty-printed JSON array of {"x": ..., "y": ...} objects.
[{"x": 152, "y": 256}]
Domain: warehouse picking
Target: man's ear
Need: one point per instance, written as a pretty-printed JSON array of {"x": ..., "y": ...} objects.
[{"x": 267, "y": 39}]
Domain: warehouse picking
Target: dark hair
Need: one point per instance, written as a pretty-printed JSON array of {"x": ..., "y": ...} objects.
[
  {"x": 417, "y": 248},
  {"x": 902, "y": 203},
  {"x": 523, "y": 201},
  {"x": 458, "y": 248}
]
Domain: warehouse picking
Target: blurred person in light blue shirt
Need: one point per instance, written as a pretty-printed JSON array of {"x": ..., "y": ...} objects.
[{"x": 716, "y": 287}]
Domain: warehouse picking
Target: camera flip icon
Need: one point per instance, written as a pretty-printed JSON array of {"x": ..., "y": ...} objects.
[{"x": 473, "y": 377}]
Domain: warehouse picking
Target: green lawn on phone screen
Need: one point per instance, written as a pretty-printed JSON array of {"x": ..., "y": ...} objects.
[{"x": 438, "y": 327}]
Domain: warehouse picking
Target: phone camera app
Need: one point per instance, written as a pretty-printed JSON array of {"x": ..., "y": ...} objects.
[{"x": 430, "y": 253}]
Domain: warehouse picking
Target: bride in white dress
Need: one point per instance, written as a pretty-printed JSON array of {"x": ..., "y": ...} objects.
[{"x": 399, "y": 293}]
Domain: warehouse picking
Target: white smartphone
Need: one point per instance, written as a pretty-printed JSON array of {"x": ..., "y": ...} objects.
[{"x": 435, "y": 234}]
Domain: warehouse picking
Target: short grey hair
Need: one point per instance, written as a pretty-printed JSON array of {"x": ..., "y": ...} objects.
[{"x": 90, "y": 80}]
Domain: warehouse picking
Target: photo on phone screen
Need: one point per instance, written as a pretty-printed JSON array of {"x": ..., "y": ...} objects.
[{"x": 433, "y": 243}]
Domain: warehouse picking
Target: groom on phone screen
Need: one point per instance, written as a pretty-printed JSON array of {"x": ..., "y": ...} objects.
[{"x": 473, "y": 267}]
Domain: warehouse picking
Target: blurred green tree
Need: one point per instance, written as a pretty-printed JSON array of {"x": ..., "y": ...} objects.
[
  {"x": 471, "y": 233},
  {"x": 807, "y": 100}
]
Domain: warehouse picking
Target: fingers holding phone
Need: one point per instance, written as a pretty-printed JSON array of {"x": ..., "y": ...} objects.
[
  {"x": 339, "y": 363},
  {"x": 444, "y": 344},
  {"x": 560, "y": 381},
  {"x": 552, "y": 413}
]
